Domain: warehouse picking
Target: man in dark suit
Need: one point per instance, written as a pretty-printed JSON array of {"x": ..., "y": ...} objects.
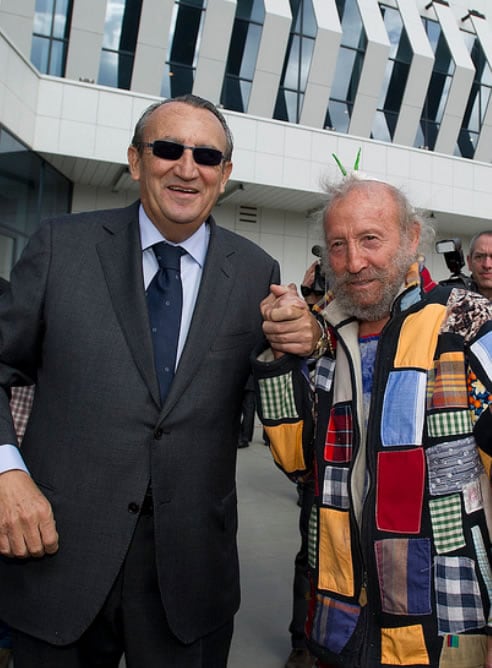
[{"x": 118, "y": 525}]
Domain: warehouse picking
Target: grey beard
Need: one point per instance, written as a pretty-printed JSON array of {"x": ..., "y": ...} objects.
[{"x": 389, "y": 289}]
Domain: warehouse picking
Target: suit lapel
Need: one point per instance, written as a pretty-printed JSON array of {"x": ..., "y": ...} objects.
[
  {"x": 121, "y": 259},
  {"x": 216, "y": 284}
]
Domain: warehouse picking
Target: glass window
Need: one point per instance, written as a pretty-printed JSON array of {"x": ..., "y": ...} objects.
[
  {"x": 438, "y": 90},
  {"x": 30, "y": 190},
  {"x": 50, "y": 35},
  {"x": 184, "y": 45},
  {"x": 119, "y": 43},
  {"x": 297, "y": 62},
  {"x": 478, "y": 100},
  {"x": 348, "y": 68},
  {"x": 395, "y": 77},
  {"x": 243, "y": 53}
]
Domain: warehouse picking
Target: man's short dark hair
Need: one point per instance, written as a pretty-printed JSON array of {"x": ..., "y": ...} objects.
[{"x": 192, "y": 101}]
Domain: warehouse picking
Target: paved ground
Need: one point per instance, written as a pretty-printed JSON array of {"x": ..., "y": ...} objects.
[{"x": 268, "y": 542}]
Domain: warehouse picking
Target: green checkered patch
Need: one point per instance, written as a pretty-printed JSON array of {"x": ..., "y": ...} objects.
[
  {"x": 313, "y": 537},
  {"x": 449, "y": 424},
  {"x": 277, "y": 397},
  {"x": 447, "y": 524}
]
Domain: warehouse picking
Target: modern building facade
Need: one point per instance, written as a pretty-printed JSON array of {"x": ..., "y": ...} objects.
[{"x": 406, "y": 81}]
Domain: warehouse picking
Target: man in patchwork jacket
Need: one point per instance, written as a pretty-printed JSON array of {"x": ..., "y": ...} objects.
[{"x": 387, "y": 399}]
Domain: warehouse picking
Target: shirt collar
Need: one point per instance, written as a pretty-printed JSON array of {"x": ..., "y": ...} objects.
[{"x": 196, "y": 245}]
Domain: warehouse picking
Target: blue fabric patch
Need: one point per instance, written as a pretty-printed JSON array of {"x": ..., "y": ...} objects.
[
  {"x": 334, "y": 623},
  {"x": 404, "y": 408}
]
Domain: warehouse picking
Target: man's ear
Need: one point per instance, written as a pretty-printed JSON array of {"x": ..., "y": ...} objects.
[
  {"x": 226, "y": 172},
  {"x": 134, "y": 162}
]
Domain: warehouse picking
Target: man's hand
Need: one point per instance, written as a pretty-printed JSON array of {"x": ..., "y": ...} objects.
[
  {"x": 27, "y": 525},
  {"x": 288, "y": 323}
]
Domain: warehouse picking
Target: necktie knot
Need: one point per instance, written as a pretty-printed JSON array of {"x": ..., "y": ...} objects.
[{"x": 168, "y": 256}]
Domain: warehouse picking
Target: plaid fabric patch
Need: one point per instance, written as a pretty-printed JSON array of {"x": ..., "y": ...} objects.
[
  {"x": 450, "y": 382},
  {"x": 338, "y": 442},
  {"x": 452, "y": 423},
  {"x": 483, "y": 564},
  {"x": 404, "y": 573},
  {"x": 277, "y": 397},
  {"x": 447, "y": 525},
  {"x": 459, "y": 606},
  {"x": 20, "y": 406},
  {"x": 452, "y": 465},
  {"x": 313, "y": 537},
  {"x": 335, "y": 489},
  {"x": 402, "y": 421},
  {"x": 334, "y": 623},
  {"x": 324, "y": 372}
]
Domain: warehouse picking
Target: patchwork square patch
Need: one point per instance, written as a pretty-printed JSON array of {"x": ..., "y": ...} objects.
[
  {"x": 400, "y": 485},
  {"x": 452, "y": 465},
  {"x": 277, "y": 397},
  {"x": 335, "y": 490},
  {"x": 459, "y": 606},
  {"x": 404, "y": 408},
  {"x": 313, "y": 537},
  {"x": 472, "y": 496},
  {"x": 334, "y": 623},
  {"x": 404, "y": 573},
  {"x": 449, "y": 423},
  {"x": 482, "y": 349},
  {"x": 483, "y": 563},
  {"x": 335, "y": 570},
  {"x": 449, "y": 389},
  {"x": 323, "y": 374},
  {"x": 447, "y": 525},
  {"x": 463, "y": 651},
  {"x": 338, "y": 442},
  {"x": 404, "y": 646}
]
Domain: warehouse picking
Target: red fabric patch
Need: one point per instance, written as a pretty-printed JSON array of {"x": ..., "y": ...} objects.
[
  {"x": 400, "y": 490},
  {"x": 338, "y": 443}
]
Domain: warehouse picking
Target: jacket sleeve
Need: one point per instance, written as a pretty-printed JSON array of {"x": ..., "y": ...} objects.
[
  {"x": 480, "y": 393},
  {"x": 284, "y": 404}
]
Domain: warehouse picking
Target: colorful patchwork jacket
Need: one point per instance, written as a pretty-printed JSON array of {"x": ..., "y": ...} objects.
[{"x": 400, "y": 533}]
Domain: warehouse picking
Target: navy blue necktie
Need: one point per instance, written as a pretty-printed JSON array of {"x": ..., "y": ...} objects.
[{"x": 165, "y": 303}]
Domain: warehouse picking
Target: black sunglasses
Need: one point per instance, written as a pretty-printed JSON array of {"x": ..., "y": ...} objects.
[{"x": 171, "y": 150}]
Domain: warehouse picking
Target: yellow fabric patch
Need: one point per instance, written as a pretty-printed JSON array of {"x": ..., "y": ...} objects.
[
  {"x": 470, "y": 652},
  {"x": 418, "y": 337},
  {"x": 404, "y": 646},
  {"x": 286, "y": 446},
  {"x": 334, "y": 558}
]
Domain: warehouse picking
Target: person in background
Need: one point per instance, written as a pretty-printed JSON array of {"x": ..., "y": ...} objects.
[
  {"x": 396, "y": 425},
  {"x": 118, "y": 520},
  {"x": 479, "y": 260}
]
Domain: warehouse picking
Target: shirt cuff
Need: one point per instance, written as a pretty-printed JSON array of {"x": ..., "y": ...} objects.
[{"x": 11, "y": 459}]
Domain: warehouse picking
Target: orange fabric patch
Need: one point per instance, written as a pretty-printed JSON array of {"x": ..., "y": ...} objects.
[
  {"x": 404, "y": 646},
  {"x": 418, "y": 337},
  {"x": 334, "y": 557},
  {"x": 286, "y": 446}
]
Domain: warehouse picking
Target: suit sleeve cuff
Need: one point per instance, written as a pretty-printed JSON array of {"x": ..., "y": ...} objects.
[{"x": 11, "y": 459}]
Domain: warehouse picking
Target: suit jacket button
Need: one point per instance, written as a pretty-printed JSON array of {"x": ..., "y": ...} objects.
[
  {"x": 133, "y": 508},
  {"x": 158, "y": 433}
]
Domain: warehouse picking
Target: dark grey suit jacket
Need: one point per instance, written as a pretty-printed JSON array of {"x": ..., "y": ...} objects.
[{"x": 76, "y": 322}]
